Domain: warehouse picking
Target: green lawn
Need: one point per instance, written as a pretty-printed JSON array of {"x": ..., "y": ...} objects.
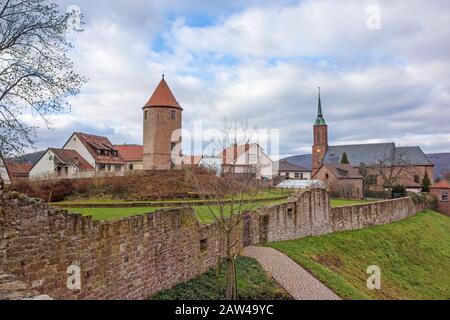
[
  {"x": 263, "y": 194},
  {"x": 253, "y": 284},
  {"x": 413, "y": 254},
  {"x": 203, "y": 213},
  {"x": 348, "y": 202}
]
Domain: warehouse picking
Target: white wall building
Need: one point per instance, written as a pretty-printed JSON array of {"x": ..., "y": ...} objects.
[
  {"x": 4, "y": 173},
  {"x": 61, "y": 164}
]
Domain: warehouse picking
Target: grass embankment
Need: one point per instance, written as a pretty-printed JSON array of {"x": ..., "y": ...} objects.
[
  {"x": 348, "y": 202},
  {"x": 253, "y": 284},
  {"x": 273, "y": 193},
  {"x": 205, "y": 214},
  {"x": 413, "y": 254}
]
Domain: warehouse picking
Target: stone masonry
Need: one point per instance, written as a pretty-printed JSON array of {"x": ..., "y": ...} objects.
[{"x": 136, "y": 257}]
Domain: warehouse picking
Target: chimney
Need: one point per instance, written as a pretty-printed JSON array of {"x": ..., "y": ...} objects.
[
  {"x": 224, "y": 156},
  {"x": 235, "y": 152}
]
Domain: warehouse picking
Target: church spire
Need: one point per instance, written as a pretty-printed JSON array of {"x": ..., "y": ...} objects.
[{"x": 320, "y": 119}]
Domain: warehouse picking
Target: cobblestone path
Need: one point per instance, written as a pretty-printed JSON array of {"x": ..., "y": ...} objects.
[{"x": 296, "y": 280}]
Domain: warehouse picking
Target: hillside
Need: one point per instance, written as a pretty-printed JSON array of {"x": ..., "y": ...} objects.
[
  {"x": 413, "y": 255},
  {"x": 441, "y": 161}
]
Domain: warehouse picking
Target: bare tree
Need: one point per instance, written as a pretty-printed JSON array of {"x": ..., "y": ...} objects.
[
  {"x": 232, "y": 194},
  {"x": 36, "y": 75}
]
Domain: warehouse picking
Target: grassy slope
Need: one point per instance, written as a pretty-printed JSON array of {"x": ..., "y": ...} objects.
[
  {"x": 203, "y": 213},
  {"x": 253, "y": 284},
  {"x": 413, "y": 254},
  {"x": 347, "y": 202}
]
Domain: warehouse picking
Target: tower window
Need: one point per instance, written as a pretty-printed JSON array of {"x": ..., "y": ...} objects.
[
  {"x": 172, "y": 114},
  {"x": 145, "y": 114}
]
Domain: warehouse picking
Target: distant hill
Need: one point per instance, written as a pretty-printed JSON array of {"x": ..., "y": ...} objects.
[
  {"x": 303, "y": 160},
  {"x": 441, "y": 161}
]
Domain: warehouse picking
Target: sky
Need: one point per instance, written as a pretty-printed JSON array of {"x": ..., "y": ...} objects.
[{"x": 383, "y": 68}]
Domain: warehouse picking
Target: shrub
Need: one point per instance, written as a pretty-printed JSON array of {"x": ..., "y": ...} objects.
[{"x": 398, "y": 192}]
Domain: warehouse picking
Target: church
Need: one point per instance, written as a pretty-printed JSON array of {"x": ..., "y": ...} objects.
[{"x": 382, "y": 165}]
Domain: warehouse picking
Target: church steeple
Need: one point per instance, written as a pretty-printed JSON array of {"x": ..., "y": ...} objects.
[
  {"x": 320, "y": 120},
  {"x": 320, "y": 145}
]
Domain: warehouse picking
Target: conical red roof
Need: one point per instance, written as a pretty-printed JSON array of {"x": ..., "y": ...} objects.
[{"x": 162, "y": 97}]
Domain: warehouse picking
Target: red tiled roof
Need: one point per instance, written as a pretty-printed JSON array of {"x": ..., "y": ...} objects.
[
  {"x": 343, "y": 171},
  {"x": 195, "y": 160},
  {"x": 72, "y": 157},
  {"x": 444, "y": 184},
  {"x": 94, "y": 143},
  {"x": 130, "y": 152},
  {"x": 233, "y": 152},
  {"x": 19, "y": 170},
  {"x": 162, "y": 97}
]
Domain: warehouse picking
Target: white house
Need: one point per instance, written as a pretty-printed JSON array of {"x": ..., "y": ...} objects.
[
  {"x": 60, "y": 163},
  {"x": 4, "y": 173},
  {"x": 247, "y": 159},
  {"x": 292, "y": 171},
  {"x": 98, "y": 151}
]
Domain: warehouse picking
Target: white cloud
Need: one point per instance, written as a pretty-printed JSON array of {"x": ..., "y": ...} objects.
[{"x": 386, "y": 85}]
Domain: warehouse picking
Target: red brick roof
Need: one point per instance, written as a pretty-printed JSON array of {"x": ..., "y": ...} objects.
[
  {"x": 343, "y": 171},
  {"x": 131, "y": 152},
  {"x": 72, "y": 157},
  {"x": 18, "y": 170},
  {"x": 94, "y": 143},
  {"x": 162, "y": 97},
  {"x": 444, "y": 184}
]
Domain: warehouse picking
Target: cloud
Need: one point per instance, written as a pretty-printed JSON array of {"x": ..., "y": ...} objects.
[{"x": 263, "y": 62}]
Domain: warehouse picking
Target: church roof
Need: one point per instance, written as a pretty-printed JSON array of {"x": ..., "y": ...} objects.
[
  {"x": 286, "y": 166},
  {"x": 343, "y": 171},
  {"x": 320, "y": 120},
  {"x": 162, "y": 97},
  {"x": 377, "y": 153}
]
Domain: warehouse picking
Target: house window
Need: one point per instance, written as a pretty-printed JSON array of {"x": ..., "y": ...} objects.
[
  {"x": 287, "y": 174},
  {"x": 172, "y": 114},
  {"x": 66, "y": 171},
  {"x": 101, "y": 167},
  {"x": 118, "y": 168},
  {"x": 145, "y": 114},
  {"x": 130, "y": 166},
  {"x": 444, "y": 196},
  {"x": 297, "y": 175},
  {"x": 301, "y": 176}
]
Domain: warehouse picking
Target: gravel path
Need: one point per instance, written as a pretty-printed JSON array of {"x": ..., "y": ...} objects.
[{"x": 296, "y": 280}]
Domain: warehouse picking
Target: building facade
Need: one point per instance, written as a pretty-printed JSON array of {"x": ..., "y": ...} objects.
[
  {"x": 383, "y": 165},
  {"x": 292, "y": 171},
  {"x": 441, "y": 191},
  {"x": 61, "y": 164},
  {"x": 341, "y": 180},
  {"x": 98, "y": 151},
  {"x": 4, "y": 172},
  {"x": 162, "y": 116},
  {"x": 133, "y": 155}
]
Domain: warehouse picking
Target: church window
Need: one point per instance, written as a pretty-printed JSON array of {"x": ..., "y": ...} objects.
[
  {"x": 416, "y": 179},
  {"x": 326, "y": 176},
  {"x": 444, "y": 196}
]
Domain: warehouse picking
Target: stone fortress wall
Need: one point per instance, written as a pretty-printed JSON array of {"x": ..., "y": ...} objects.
[{"x": 136, "y": 257}]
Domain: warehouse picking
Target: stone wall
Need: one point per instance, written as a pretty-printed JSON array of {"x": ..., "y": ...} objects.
[
  {"x": 131, "y": 258},
  {"x": 135, "y": 257},
  {"x": 309, "y": 214},
  {"x": 371, "y": 214}
]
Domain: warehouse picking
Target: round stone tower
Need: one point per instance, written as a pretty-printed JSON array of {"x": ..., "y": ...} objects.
[{"x": 162, "y": 116}]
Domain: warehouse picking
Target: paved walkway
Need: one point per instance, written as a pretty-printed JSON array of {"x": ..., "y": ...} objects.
[{"x": 296, "y": 280}]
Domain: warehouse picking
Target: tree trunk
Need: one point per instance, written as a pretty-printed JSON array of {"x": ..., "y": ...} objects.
[{"x": 231, "y": 279}]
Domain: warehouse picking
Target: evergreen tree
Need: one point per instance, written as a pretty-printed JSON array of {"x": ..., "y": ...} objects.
[
  {"x": 344, "y": 158},
  {"x": 426, "y": 183}
]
